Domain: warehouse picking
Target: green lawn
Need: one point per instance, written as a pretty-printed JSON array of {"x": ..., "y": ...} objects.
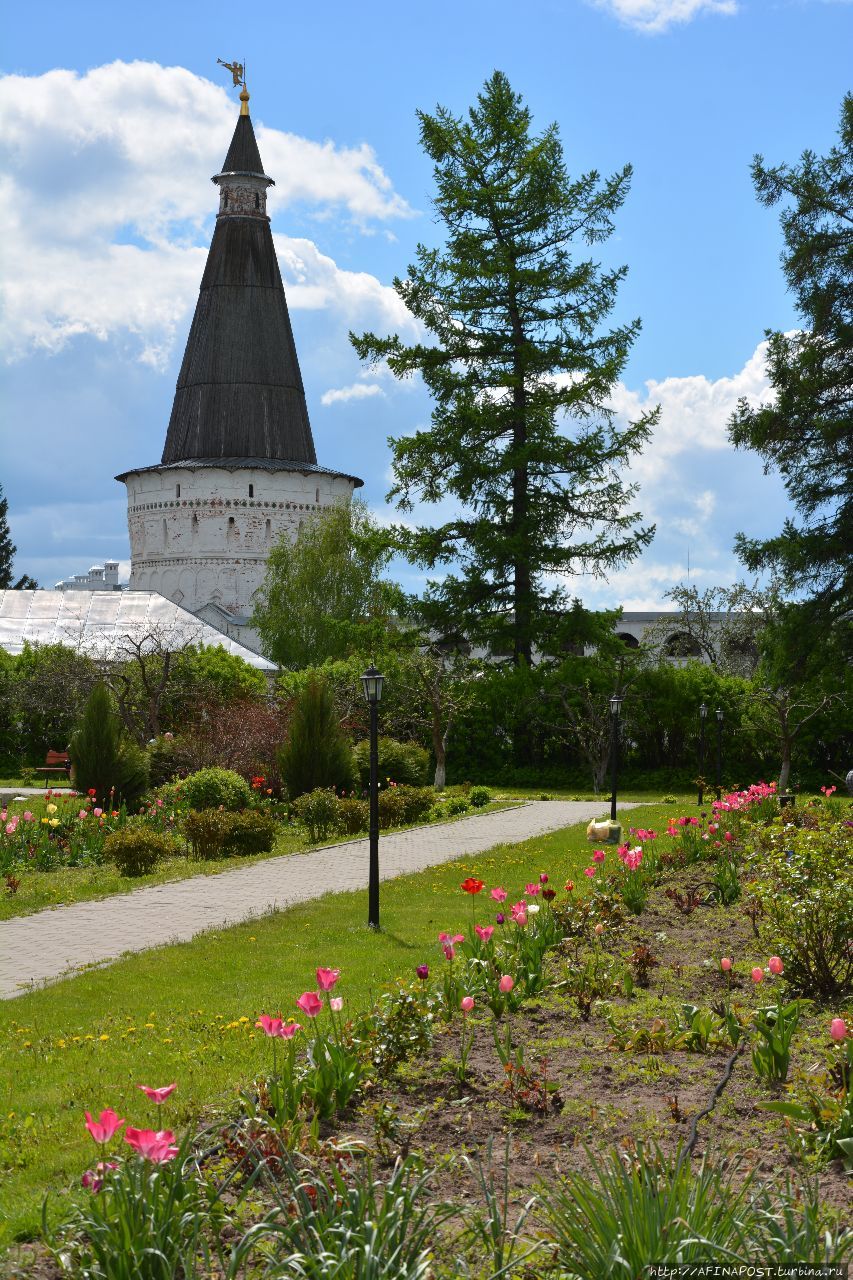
[
  {"x": 64, "y": 885},
  {"x": 187, "y": 1012}
]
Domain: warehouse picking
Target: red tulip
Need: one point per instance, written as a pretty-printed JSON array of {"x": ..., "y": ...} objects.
[
  {"x": 726, "y": 964},
  {"x": 471, "y": 885},
  {"x": 757, "y": 974},
  {"x": 158, "y": 1095},
  {"x": 105, "y": 1126},
  {"x": 157, "y": 1147},
  {"x": 326, "y": 978},
  {"x": 775, "y": 965},
  {"x": 310, "y": 1003}
]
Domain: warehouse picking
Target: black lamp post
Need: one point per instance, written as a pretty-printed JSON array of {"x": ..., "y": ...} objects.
[
  {"x": 719, "y": 753},
  {"x": 372, "y": 684},
  {"x": 703, "y": 712},
  {"x": 615, "y": 707}
]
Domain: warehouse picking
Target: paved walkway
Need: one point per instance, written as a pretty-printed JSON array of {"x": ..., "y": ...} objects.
[{"x": 50, "y": 944}]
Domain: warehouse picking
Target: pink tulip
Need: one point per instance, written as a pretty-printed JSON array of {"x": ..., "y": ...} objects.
[
  {"x": 449, "y": 951},
  {"x": 83, "y": 813},
  {"x": 466, "y": 1004},
  {"x": 589, "y": 871},
  {"x": 484, "y": 931},
  {"x": 336, "y": 1003},
  {"x": 97, "y": 812},
  {"x": 157, "y": 1147},
  {"x": 105, "y": 1126},
  {"x": 838, "y": 1029},
  {"x": 519, "y": 912},
  {"x": 499, "y": 895},
  {"x": 506, "y": 984},
  {"x": 775, "y": 965},
  {"x": 598, "y": 855},
  {"x": 599, "y": 929},
  {"x": 531, "y": 890},
  {"x": 451, "y": 939},
  {"x": 28, "y": 817},
  {"x": 10, "y": 828},
  {"x": 326, "y": 978},
  {"x": 757, "y": 974},
  {"x": 93, "y": 1179},
  {"x": 310, "y": 1003},
  {"x": 158, "y": 1095},
  {"x": 543, "y": 877},
  {"x": 726, "y": 964}
]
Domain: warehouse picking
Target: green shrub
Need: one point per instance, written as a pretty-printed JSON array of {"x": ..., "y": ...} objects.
[
  {"x": 455, "y": 805},
  {"x": 206, "y": 830},
  {"x": 805, "y": 886},
  {"x": 316, "y": 755},
  {"x": 212, "y": 788},
  {"x": 248, "y": 833},
  {"x": 136, "y": 849},
  {"x": 167, "y": 759},
  {"x": 402, "y": 762},
  {"x": 103, "y": 760},
  {"x": 319, "y": 813},
  {"x": 478, "y": 796},
  {"x": 354, "y": 815}
]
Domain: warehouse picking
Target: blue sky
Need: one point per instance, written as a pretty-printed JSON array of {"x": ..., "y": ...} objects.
[{"x": 114, "y": 118}]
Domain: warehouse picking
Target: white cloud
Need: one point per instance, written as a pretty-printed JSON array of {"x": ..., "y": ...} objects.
[
  {"x": 655, "y": 16},
  {"x": 106, "y": 203},
  {"x": 358, "y": 391}
]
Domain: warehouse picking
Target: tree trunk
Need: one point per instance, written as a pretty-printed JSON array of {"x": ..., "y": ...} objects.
[
  {"x": 785, "y": 771},
  {"x": 439, "y": 746}
]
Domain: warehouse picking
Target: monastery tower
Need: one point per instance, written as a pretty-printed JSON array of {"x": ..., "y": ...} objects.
[{"x": 239, "y": 467}]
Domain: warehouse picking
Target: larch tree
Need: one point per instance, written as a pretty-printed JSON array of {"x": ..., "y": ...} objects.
[
  {"x": 806, "y": 432},
  {"x": 523, "y": 441}
]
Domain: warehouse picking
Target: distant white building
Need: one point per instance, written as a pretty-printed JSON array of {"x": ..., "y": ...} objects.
[{"x": 101, "y": 577}]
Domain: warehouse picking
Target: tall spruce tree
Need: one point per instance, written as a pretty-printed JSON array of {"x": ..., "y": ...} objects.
[
  {"x": 806, "y": 432},
  {"x": 523, "y": 440},
  {"x": 7, "y": 552}
]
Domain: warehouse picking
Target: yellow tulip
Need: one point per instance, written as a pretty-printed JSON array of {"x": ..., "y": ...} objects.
[
  {"x": 54, "y": 822},
  {"x": 51, "y": 808}
]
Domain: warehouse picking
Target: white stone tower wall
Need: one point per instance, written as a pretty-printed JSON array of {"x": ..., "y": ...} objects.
[{"x": 202, "y": 535}]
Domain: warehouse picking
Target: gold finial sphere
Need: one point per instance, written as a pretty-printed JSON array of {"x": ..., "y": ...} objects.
[{"x": 244, "y": 101}]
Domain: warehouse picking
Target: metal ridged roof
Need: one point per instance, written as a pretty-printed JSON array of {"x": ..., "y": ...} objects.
[{"x": 98, "y": 623}]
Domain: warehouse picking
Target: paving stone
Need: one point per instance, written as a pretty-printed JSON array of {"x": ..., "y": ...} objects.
[{"x": 48, "y": 945}]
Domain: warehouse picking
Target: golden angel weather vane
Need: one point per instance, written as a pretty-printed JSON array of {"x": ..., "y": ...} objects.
[{"x": 237, "y": 69}]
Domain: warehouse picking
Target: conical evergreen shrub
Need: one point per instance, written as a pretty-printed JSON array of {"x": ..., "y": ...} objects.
[
  {"x": 316, "y": 753},
  {"x": 102, "y": 760}
]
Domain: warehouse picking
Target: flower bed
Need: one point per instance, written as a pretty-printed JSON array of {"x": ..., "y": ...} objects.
[{"x": 586, "y": 1049}]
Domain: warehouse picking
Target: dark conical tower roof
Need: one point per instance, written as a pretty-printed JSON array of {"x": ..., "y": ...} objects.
[
  {"x": 243, "y": 155},
  {"x": 239, "y": 392}
]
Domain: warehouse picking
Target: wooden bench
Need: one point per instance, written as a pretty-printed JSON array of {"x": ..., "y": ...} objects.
[{"x": 56, "y": 762}]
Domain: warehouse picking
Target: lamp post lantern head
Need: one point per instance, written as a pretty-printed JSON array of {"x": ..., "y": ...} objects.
[
  {"x": 616, "y": 704},
  {"x": 371, "y": 683},
  {"x": 703, "y": 710},
  {"x": 720, "y": 714}
]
